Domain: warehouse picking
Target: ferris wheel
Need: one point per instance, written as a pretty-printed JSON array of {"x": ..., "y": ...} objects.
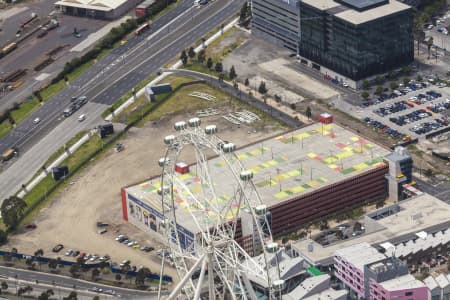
[{"x": 209, "y": 262}]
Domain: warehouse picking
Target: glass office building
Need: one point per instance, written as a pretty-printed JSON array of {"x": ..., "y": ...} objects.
[
  {"x": 277, "y": 22},
  {"x": 356, "y": 39}
]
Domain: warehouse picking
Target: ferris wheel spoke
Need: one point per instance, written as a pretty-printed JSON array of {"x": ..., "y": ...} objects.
[{"x": 224, "y": 268}]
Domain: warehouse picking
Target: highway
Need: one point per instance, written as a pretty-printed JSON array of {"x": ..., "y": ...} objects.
[
  {"x": 57, "y": 281},
  {"x": 104, "y": 83}
]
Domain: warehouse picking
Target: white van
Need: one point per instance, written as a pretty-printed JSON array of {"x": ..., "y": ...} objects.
[{"x": 82, "y": 118}]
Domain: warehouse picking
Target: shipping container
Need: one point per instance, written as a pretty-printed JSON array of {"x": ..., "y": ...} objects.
[{"x": 144, "y": 9}]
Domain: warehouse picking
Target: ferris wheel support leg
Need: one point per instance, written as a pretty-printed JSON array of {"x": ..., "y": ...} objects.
[
  {"x": 161, "y": 275},
  {"x": 186, "y": 277},
  {"x": 248, "y": 286},
  {"x": 212, "y": 293},
  {"x": 200, "y": 281}
]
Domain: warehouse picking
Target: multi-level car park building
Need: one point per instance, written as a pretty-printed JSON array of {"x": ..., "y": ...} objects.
[
  {"x": 302, "y": 176},
  {"x": 349, "y": 40}
]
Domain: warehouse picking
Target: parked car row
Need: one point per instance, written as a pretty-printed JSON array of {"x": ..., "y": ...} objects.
[
  {"x": 126, "y": 241},
  {"x": 411, "y": 117},
  {"x": 87, "y": 257},
  {"x": 426, "y": 127},
  {"x": 391, "y": 108},
  {"x": 384, "y": 128},
  {"x": 439, "y": 107},
  {"x": 402, "y": 90}
]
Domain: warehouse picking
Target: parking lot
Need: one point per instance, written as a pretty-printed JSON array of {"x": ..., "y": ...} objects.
[{"x": 409, "y": 112}]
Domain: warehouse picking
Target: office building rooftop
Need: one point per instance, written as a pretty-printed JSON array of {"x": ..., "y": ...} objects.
[
  {"x": 360, "y": 255},
  {"x": 414, "y": 215},
  {"x": 402, "y": 283}
]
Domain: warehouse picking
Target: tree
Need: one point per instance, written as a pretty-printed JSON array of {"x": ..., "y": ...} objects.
[
  {"x": 74, "y": 269},
  {"x": 365, "y": 84},
  {"x": 406, "y": 80},
  {"x": 419, "y": 78},
  {"x": 323, "y": 225},
  {"x": 243, "y": 15},
  {"x": 429, "y": 44},
  {"x": 203, "y": 42},
  {"x": 72, "y": 296},
  {"x": 95, "y": 273},
  {"x": 235, "y": 85},
  {"x": 222, "y": 27},
  {"x": 118, "y": 278},
  {"x": 232, "y": 73},
  {"x": 419, "y": 34},
  {"x": 3, "y": 237},
  {"x": 184, "y": 57},
  {"x": 277, "y": 98},
  {"x": 379, "y": 80},
  {"x": 406, "y": 70},
  {"x": 39, "y": 253},
  {"x": 365, "y": 95},
  {"x": 38, "y": 95},
  {"x": 43, "y": 296},
  {"x": 191, "y": 53},
  {"x": 52, "y": 265},
  {"x": 339, "y": 235},
  {"x": 393, "y": 85},
  {"x": 262, "y": 88},
  {"x": 218, "y": 67},
  {"x": 308, "y": 112},
  {"x": 379, "y": 90},
  {"x": 221, "y": 77},
  {"x": 11, "y": 210},
  {"x": 140, "y": 278},
  {"x": 209, "y": 63},
  {"x": 391, "y": 74},
  {"x": 246, "y": 82},
  {"x": 293, "y": 106},
  {"x": 96, "y": 298},
  {"x": 28, "y": 289},
  {"x": 201, "y": 56},
  {"x": 379, "y": 204}
]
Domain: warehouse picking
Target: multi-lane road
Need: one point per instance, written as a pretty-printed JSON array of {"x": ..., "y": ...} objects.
[
  {"x": 57, "y": 281},
  {"x": 107, "y": 80}
]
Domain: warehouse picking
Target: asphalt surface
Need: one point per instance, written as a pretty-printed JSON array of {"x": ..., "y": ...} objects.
[
  {"x": 32, "y": 50},
  {"x": 273, "y": 111},
  {"x": 104, "y": 83},
  {"x": 68, "y": 282}
]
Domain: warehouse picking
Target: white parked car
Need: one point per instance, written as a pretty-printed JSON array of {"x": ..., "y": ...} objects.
[
  {"x": 36, "y": 121},
  {"x": 81, "y": 118}
]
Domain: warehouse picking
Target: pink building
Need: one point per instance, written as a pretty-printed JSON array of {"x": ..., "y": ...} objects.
[
  {"x": 405, "y": 287},
  {"x": 370, "y": 275}
]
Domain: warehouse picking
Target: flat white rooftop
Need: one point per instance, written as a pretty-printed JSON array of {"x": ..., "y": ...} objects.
[
  {"x": 402, "y": 283},
  {"x": 356, "y": 17},
  {"x": 284, "y": 167},
  {"x": 416, "y": 214},
  {"x": 360, "y": 255},
  {"x": 103, "y": 5}
]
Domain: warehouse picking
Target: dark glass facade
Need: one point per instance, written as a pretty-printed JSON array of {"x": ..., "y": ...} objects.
[
  {"x": 356, "y": 51},
  {"x": 276, "y": 21}
]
